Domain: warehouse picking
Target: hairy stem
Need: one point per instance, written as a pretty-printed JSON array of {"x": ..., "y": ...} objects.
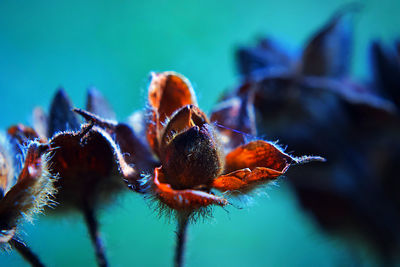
[
  {"x": 26, "y": 253},
  {"x": 93, "y": 228},
  {"x": 183, "y": 220}
]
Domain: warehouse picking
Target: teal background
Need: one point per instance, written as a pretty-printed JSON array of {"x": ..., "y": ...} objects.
[{"x": 113, "y": 45}]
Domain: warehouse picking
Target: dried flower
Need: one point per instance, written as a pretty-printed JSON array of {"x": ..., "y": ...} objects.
[
  {"x": 192, "y": 160},
  {"x": 83, "y": 156}
]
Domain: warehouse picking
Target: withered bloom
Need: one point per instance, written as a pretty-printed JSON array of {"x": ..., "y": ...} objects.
[
  {"x": 23, "y": 191},
  {"x": 192, "y": 159},
  {"x": 83, "y": 156}
]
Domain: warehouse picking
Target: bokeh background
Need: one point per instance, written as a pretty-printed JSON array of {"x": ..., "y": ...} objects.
[{"x": 113, "y": 45}]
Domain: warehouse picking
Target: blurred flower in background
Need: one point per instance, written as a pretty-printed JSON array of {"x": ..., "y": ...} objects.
[
  {"x": 114, "y": 46},
  {"x": 313, "y": 103}
]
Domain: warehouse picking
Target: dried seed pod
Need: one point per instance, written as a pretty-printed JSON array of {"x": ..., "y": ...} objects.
[
  {"x": 86, "y": 164},
  {"x": 84, "y": 156},
  {"x": 89, "y": 165}
]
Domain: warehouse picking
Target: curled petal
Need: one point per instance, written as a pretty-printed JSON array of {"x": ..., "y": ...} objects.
[
  {"x": 183, "y": 199},
  {"x": 253, "y": 163},
  {"x": 168, "y": 92},
  {"x": 245, "y": 179},
  {"x": 257, "y": 154}
]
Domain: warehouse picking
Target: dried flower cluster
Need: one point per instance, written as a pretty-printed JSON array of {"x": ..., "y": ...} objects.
[
  {"x": 187, "y": 162},
  {"x": 182, "y": 160}
]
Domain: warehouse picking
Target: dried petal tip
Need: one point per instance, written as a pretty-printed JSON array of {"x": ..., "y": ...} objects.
[
  {"x": 61, "y": 117},
  {"x": 254, "y": 163},
  {"x": 307, "y": 159},
  {"x": 91, "y": 117}
]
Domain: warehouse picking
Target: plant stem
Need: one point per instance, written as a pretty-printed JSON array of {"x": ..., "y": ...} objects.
[
  {"x": 183, "y": 220},
  {"x": 93, "y": 225},
  {"x": 26, "y": 253}
]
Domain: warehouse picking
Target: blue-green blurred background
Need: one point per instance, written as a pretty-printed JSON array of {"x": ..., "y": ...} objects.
[{"x": 113, "y": 45}]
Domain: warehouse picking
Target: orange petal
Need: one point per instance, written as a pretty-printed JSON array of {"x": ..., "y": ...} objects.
[
  {"x": 183, "y": 199},
  {"x": 245, "y": 179},
  {"x": 168, "y": 92},
  {"x": 257, "y": 154}
]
